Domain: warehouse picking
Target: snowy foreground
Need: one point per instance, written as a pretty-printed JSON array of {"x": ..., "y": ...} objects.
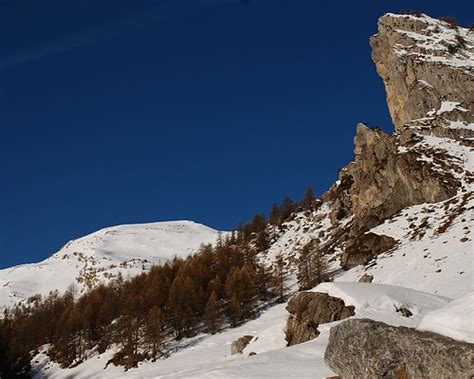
[{"x": 209, "y": 356}]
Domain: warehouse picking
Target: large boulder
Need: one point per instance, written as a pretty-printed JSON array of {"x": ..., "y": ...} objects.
[
  {"x": 364, "y": 247},
  {"x": 308, "y": 310},
  {"x": 362, "y": 348}
]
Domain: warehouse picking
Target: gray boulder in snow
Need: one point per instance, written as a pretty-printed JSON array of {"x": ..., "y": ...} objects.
[
  {"x": 366, "y": 278},
  {"x": 363, "y": 348},
  {"x": 365, "y": 247}
]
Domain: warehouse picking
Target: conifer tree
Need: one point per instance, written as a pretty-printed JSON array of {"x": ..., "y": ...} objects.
[
  {"x": 155, "y": 333},
  {"x": 308, "y": 199},
  {"x": 178, "y": 306},
  {"x": 235, "y": 310},
  {"x": 287, "y": 208},
  {"x": 262, "y": 243},
  {"x": 262, "y": 281},
  {"x": 280, "y": 278},
  {"x": 212, "y": 313},
  {"x": 312, "y": 266},
  {"x": 275, "y": 215},
  {"x": 320, "y": 267}
]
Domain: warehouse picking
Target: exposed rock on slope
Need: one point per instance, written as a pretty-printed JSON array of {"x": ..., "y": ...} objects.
[
  {"x": 407, "y": 194},
  {"x": 365, "y": 247},
  {"x": 308, "y": 310},
  {"x": 381, "y": 181},
  {"x": 238, "y": 346},
  {"x": 428, "y": 70},
  {"x": 369, "y": 349}
]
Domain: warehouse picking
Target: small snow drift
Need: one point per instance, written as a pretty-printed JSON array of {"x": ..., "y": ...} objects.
[
  {"x": 455, "y": 320},
  {"x": 381, "y": 301}
]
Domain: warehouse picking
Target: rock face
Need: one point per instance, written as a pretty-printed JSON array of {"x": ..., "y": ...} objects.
[
  {"x": 308, "y": 310},
  {"x": 238, "y": 346},
  {"x": 428, "y": 70},
  {"x": 381, "y": 181},
  {"x": 369, "y": 349},
  {"x": 427, "y": 66},
  {"x": 363, "y": 248}
]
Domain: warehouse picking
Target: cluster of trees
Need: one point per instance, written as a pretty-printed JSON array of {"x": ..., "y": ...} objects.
[
  {"x": 281, "y": 212},
  {"x": 219, "y": 286}
]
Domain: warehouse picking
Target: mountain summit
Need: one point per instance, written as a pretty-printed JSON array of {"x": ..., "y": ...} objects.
[{"x": 103, "y": 255}]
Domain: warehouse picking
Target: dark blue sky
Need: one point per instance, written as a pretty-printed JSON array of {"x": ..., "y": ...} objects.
[{"x": 136, "y": 111}]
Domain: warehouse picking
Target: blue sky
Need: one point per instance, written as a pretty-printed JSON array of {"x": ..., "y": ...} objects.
[{"x": 118, "y": 112}]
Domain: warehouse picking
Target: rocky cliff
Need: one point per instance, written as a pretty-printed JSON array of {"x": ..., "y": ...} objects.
[
  {"x": 428, "y": 71},
  {"x": 427, "y": 66},
  {"x": 407, "y": 194}
]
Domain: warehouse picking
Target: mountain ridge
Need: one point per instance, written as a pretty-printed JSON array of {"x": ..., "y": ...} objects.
[{"x": 128, "y": 249}]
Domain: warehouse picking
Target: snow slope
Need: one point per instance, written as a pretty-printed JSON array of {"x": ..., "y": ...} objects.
[
  {"x": 101, "y": 256},
  {"x": 435, "y": 249},
  {"x": 455, "y": 320},
  {"x": 208, "y": 356}
]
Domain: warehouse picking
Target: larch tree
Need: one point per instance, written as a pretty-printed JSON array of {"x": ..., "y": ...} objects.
[
  {"x": 308, "y": 199},
  {"x": 279, "y": 276},
  {"x": 212, "y": 314},
  {"x": 312, "y": 266},
  {"x": 155, "y": 333}
]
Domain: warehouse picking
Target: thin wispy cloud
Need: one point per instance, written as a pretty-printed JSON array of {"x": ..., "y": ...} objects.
[
  {"x": 81, "y": 38},
  {"x": 39, "y": 52},
  {"x": 98, "y": 33}
]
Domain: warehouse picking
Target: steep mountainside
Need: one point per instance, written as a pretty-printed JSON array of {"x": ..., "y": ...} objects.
[
  {"x": 401, "y": 212},
  {"x": 101, "y": 256}
]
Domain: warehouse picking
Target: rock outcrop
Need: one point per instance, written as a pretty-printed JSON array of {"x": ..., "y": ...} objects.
[
  {"x": 384, "y": 178},
  {"x": 238, "y": 346},
  {"x": 364, "y": 247},
  {"x": 363, "y": 348},
  {"x": 381, "y": 180},
  {"x": 310, "y": 309},
  {"x": 427, "y": 66}
]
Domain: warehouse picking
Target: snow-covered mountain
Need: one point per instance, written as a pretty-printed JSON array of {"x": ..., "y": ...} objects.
[
  {"x": 101, "y": 256},
  {"x": 400, "y": 216}
]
